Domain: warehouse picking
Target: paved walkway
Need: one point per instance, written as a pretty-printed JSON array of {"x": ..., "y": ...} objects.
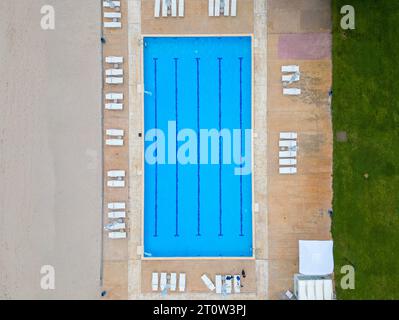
[{"x": 298, "y": 33}]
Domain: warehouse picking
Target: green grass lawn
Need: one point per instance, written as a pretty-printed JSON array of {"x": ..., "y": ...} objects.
[{"x": 366, "y": 105}]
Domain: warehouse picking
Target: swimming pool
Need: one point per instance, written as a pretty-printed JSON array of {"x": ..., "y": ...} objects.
[{"x": 197, "y": 202}]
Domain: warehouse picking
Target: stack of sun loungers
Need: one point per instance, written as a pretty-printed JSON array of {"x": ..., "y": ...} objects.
[
  {"x": 114, "y": 137},
  {"x": 114, "y": 75},
  {"x": 116, "y": 179},
  {"x": 116, "y": 226},
  {"x": 290, "y": 75},
  {"x": 287, "y": 155},
  {"x": 112, "y": 18},
  {"x": 217, "y": 8},
  {"x": 116, "y": 216},
  {"x": 223, "y": 284},
  {"x": 165, "y": 8},
  {"x": 114, "y": 101},
  {"x": 168, "y": 282}
]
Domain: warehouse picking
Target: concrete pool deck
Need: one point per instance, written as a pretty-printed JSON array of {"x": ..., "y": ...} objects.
[{"x": 290, "y": 207}]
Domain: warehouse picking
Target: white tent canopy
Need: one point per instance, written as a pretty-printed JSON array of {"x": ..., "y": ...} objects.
[{"x": 316, "y": 257}]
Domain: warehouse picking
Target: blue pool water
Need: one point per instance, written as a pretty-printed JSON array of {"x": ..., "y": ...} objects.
[{"x": 196, "y": 210}]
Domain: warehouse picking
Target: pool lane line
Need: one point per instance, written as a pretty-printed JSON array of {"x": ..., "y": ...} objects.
[
  {"x": 156, "y": 163},
  {"x": 220, "y": 148},
  {"x": 198, "y": 151},
  {"x": 177, "y": 163},
  {"x": 241, "y": 141}
]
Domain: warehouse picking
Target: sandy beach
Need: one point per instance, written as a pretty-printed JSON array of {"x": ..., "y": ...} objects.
[{"x": 50, "y": 149}]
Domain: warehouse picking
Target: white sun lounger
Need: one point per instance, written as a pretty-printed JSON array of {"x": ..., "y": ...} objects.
[
  {"x": 310, "y": 290},
  {"x": 157, "y": 8},
  {"x": 154, "y": 281},
  {"x": 291, "y": 91},
  {"x": 218, "y": 282},
  {"x": 112, "y": 15},
  {"x": 217, "y": 8},
  {"x": 117, "y": 214},
  {"x": 226, "y": 8},
  {"x": 116, "y": 205},
  {"x": 115, "y": 226},
  {"x": 114, "y": 96},
  {"x": 113, "y": 24},
  {"x": 211, "y": 8},
  {"x": 117, "y": 235},
  {"x": 233, "y": 8},
  {"x": 290, "y": 77},
  {"x": 287, "y": 170},
  {"x": 163, "y": 281},
  {"x": 287, "y": 162},
  {"x": 327, "y": 289},
  {"x": 116, "y": 174},
  {"x": 173, "y": 281},
  {"x": 111, "y": 4},
  {"x": 208, "y": 282},
  {"x": 290, "y": 68},
  {"x": 164, "y": 8},
  {"x": 114, "y": 142},
  {"x": 174, "y": 8},
  {"x": 181, "y": 8},
  {"x": 287, "y": 154},
  {"x": 114, "y": 80},
  {"x": 116, "y": 184},
  {"x": 228, "y": 283},
  {"x": 113, "y": 59},
  {"x": 237, "y": 283},
  {"x": 182, "y": 282},
  {"x": 115, "y": 132},
  {"x": 114, "y": 106},
  {"x": 302, "y": 290},
  {"x": 288, "y": 135},
  {"x": 114, "y": 72},
  {"x": 319, "y": 289},
  {"x": 287, "y": 143}
]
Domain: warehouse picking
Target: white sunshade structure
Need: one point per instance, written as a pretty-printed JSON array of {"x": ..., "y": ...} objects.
[
  {"x": 316, "y": 257},
  {"x": 316, "y": 264}
]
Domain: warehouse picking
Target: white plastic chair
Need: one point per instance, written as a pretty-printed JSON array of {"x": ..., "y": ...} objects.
[
  {"x": 287, "y": 143},
  {"x": 116, "y": 205},
  {"x": 114, "y": 106},
  {"x": 154, "y": 281},
  {"x": 182, "y": 282},
  {"x": 111, "y": 4},
  {"x": 290, "y": 68},
  {"x": 288, "y": 135},
  {"x": 114, "y": 132},
  {"x": 116, "y": 214},
  {"x": 114, "y": 80},
  {"x": 291, "y": 91},
  {"x": 173, "y": 281},
  {"x": 114, "y": 142},
  {"x": 113, "y": 25},
  {"x": 116, "y": 174},
  {"x": 163, "y": 283},
  {"x": 114, "y": 59},
  {"x": 114, "y": 96},
  {"x": 287, "y": 162},
  {"x": 116, "y": 184},
  {"x": 208, "y": 282},
  {"x": 117, "y": 235},
  {"x": 237, "y": 283},
  {"x": 287, "y": 170}
]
